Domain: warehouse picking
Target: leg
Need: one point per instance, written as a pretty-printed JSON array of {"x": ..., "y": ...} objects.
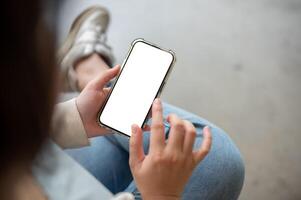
[
  {"x": 219, "y": 176},
  {"x": 106, "y": 161},
  {"x": 88, "y": 68}
]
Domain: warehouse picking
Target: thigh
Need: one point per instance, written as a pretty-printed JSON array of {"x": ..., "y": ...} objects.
[
  {"x": 106, "y": 161},
  {"x": 220, "y": 175}
]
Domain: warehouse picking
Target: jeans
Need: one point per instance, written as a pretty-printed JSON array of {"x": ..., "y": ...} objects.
[{"x": 219, "y": 176}]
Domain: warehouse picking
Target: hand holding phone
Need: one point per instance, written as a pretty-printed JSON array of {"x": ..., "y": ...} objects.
[{"x": 91, "y": 99}]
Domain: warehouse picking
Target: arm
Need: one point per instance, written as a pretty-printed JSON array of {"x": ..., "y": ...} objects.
[{"x": 67, "y": 127}]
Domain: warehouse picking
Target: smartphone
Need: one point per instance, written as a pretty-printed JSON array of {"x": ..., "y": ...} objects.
[{"x": 143, "y": 75}]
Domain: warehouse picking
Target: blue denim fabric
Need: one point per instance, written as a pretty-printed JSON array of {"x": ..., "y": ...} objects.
[{"x": 219, "y": 176}]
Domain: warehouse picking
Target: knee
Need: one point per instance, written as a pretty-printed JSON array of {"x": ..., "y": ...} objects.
[
  {"x": 228, "y": 164},
  {"x": 223, "y": 168}
]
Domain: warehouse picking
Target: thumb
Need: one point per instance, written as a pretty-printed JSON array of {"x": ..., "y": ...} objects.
[
  {"x": 99, "y": 82},
  {"x": 136, "y": 146}
]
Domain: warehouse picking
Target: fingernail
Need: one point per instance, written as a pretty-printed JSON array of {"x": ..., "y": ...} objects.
[
  {"x": 157, "y": 101},
  {"x": 208, "y": 128}
]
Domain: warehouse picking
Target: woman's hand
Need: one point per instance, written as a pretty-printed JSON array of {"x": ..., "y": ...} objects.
[
  {"x": 91, "y": 99},
  {"x": 163, "y": 173}
]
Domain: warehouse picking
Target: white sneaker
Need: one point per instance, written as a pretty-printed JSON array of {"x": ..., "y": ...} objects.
[{"x": 87, "y": 35}]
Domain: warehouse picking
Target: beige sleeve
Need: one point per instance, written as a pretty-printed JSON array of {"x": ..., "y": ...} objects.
[{"x": 67, "y": 128}]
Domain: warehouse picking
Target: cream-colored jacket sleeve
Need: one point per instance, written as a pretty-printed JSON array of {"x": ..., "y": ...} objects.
[{"x": 67, "y": 128}]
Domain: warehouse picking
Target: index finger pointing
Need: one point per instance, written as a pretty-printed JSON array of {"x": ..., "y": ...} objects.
[{"x": 157, "y": 138}]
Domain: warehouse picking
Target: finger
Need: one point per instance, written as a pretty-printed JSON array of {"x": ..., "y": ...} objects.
[
  {"x": 176, "y": 134},
  {"x": 99, "y": 82},
  {"x": 136, "y": 146},
  {"x": 189, "y": 137},
  {"x": 205, "y": 147},
  {"x": 157, "y": 138}
]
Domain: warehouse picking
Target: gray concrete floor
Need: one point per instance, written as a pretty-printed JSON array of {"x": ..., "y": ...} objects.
[{"x": 239, "y": 65}]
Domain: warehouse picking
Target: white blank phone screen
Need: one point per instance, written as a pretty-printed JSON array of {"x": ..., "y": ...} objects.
[{"x": 136, "y": 87}]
